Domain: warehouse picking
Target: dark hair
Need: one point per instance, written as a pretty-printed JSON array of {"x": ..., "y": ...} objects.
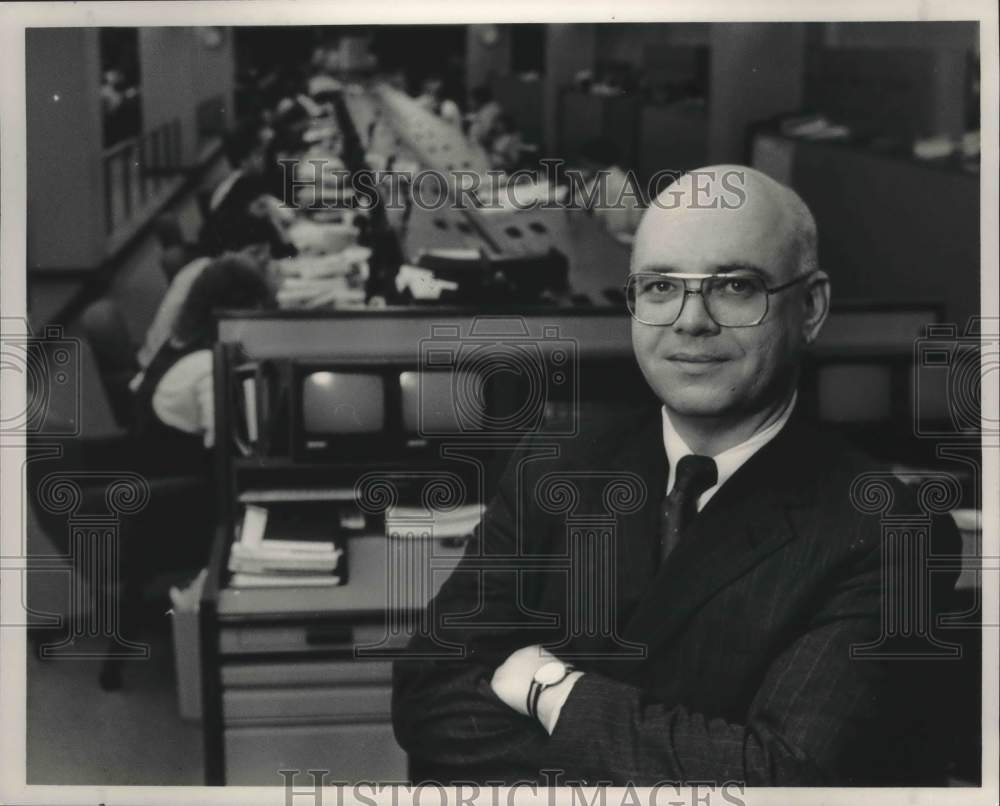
[
  {"x": 231, "y": 281},
  {"x": 601, "y": 150},
  {"x": 482, "y": 95},
  {"x": 239, "y": 143}
]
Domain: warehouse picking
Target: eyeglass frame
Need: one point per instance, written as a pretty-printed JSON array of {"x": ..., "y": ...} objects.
[{"x": 702, "y": 277}]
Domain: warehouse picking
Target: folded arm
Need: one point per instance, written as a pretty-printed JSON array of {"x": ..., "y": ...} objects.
[
  {"x": 819, "y": 716},
  {"x": 444, "y": 710}
]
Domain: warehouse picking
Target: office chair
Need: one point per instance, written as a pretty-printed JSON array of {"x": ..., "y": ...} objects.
[
  {"x": 161, "y": 537},
  {"x": 110, "y": 342}
]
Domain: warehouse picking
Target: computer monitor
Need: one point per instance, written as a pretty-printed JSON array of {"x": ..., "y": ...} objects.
[
  {"x": 438, "y": 403},
  {"x": 340, "y": 403},
  {"x": 352, "y": 410}
]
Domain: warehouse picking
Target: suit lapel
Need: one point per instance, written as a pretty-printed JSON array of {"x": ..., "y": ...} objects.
[
  {"x": 744, "y": 522},
  {"x": 638, "y": 532},
  {"x": 640, "y": 453}
]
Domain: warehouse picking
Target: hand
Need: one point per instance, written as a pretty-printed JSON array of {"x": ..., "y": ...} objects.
[
  {"x": 259, "y": 208},
  {"x": 513, "y": 677}
]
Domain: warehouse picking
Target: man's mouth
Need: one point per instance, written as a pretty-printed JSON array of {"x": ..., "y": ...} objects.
[{"x": 696, "y": 358}]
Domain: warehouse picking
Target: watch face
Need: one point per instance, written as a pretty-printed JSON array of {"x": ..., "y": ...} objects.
[{"x": 551, "y": 672}]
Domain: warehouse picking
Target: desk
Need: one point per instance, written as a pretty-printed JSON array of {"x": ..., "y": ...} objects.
[
  {"x": 417, "y": 138},
  {"x": 597, "y": 261},
  {"x": 288, "y": 685}
]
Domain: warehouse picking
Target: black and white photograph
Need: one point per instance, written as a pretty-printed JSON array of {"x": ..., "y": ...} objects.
[{"x": 455, "y": 404}]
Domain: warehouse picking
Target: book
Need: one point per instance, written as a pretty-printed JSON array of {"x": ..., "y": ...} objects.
[
  {"x": 288, "y": 543},
  {"x": 307, "y": 521},
  {"x": 460, "y": 522},
  {"x": 282, "y": 581}
]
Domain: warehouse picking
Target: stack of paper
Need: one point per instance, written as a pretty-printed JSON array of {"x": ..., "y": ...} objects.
[
  {"x": 405, "y": 522},
  {"x": 258, "y": 561}
]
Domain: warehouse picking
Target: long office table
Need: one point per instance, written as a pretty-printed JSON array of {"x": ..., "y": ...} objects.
[{"x": 598, "y": 263}]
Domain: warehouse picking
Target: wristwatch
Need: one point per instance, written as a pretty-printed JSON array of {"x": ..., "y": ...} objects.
[{"x": 546, "y": 676}]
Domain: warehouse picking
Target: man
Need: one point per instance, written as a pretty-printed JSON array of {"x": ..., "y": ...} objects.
[
  {"x": 746, "y": 587},
  {"x": 240, "y": 211},
  {"x": 433, "y": 98}
]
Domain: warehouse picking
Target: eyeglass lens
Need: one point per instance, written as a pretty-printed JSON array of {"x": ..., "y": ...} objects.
[{"x": 658, "y": 299}]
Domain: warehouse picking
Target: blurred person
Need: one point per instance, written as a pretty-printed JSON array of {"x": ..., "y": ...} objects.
[
  {"x": 174, "y": 400},
  {"x": 484, "y": 116},
  {"x": 162, "y": 325},
  {"x": 434, "y": 99},
  {"x": 240, "y": 210},
  {"x": 506, "y": 145}
]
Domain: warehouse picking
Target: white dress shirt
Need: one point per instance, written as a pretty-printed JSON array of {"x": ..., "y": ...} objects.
[
  {"x": 184, "y": 396},
  {"x": 223, "y": 188},
  {"x": 166, "y": 315},
  {"x": 727, "y": 462}
]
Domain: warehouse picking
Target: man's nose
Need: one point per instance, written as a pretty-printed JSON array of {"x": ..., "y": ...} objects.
[{"x": 694, "y": 319}]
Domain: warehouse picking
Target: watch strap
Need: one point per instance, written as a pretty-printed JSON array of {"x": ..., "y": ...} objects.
[{"x": 535, "y": 690}]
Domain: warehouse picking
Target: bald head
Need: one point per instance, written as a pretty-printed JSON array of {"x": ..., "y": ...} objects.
[
  {"x": 734, "y": 222},
  {"x": 753, "y": 208}
]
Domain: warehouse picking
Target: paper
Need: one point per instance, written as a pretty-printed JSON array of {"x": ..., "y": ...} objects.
[{"x": 254, "y": 525}]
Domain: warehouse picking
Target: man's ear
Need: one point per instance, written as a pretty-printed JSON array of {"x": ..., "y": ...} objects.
[{"x": 817, "y": 304}]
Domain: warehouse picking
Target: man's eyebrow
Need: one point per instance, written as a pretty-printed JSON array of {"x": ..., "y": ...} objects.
[
  {"x": 743, "y": 268},
  {"x": 722, "y": 268},
  {"x": 659, "y": 268}
]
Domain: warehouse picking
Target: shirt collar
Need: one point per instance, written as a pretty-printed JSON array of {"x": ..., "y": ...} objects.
[
  {"x": 223, "y": 188},
  {"x": 727, "y": 462}
]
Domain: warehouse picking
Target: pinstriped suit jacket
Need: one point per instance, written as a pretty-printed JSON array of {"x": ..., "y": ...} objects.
[{"x": 747, "y": 631}]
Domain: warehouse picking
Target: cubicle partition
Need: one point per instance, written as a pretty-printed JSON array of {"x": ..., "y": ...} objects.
[{"x": 891, "y": 229}]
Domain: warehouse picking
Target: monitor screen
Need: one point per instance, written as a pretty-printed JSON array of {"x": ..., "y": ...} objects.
[
  {"x": 442, "y": 402},
  {"x": 336, "y": 402}
]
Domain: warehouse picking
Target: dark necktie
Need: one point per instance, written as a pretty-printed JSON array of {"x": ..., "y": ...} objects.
[{"x": 695, "y": 474}]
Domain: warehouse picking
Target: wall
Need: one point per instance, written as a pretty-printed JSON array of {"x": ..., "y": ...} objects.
[
  {"x": 65, "y": 204},
  {"x": 65, "y": 168},
  {"x": 756, "y": 72},
  {"x": 629, "y": 41},
  {"x": 568, "y": 49},
  {"x": 893, "y": 230},
  {"x": 484, "y": 62},
  {"x": 178, "y": 72},
  {"x": 918, "y": 69},
  {"x": 934, "y": 35}
]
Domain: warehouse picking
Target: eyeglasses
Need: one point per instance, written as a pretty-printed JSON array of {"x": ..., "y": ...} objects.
[{"x": 731, "y": 300}]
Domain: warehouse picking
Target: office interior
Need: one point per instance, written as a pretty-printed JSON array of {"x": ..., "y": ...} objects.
[{"x": 161, "y": 655}]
